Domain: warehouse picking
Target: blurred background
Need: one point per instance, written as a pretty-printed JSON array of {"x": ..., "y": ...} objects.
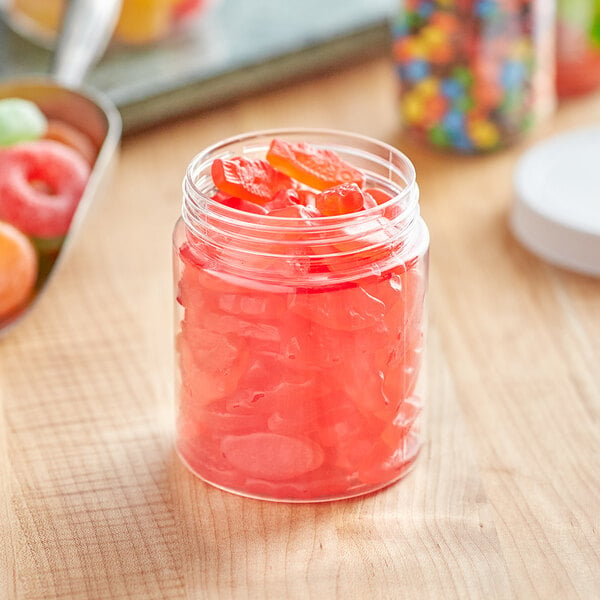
[{"x": 174, "y": 56}]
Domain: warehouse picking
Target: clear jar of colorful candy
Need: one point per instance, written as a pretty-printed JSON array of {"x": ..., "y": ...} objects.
[
  {"x": 577, "y": 47},
  {"x": 140, "y": 21},
  {"x": 474, "y": 74},
  {"x": 300, "y": 281}
]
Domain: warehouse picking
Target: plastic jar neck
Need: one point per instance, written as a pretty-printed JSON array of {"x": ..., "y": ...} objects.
[{"x": 274, "y": 249}]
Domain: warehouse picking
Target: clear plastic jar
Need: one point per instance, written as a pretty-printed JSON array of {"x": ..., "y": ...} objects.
[
  {"x": 474, "y": 75},
  {"x": 300, "y": 343},
  {"x": 577, "y": 47},
  {"x": 140, "y": 22}
]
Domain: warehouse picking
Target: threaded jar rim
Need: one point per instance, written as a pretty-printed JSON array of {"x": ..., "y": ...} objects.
[{"x": 237, "y": 236}]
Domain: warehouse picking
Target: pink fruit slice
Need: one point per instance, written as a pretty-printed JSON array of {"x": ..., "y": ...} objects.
[
  {"x": 272, "y": 456},
  {"x": 41, "y": 184}
]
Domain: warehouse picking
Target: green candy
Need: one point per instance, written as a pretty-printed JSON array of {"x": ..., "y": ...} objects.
[
  {"x": 438, "y": 136},
  {"x": 463, "y": 75},
  {"x": 20, "y": 121},
  {"x": 464, "y": 103}
]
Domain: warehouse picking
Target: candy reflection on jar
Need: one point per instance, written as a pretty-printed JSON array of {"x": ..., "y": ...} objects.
[
  {"x": 471, "y": 72},
  {"x": 300, "y": 289}
]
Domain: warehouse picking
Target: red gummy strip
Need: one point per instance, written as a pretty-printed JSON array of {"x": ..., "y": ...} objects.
[
  {"x": 272, "y": 456},
  {"x": 340, "y": 200},
  {"x": 248, "y": 179},
  {"x": 319, "y": 168}
]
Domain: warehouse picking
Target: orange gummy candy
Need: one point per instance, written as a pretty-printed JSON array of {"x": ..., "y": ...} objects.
[{"x": 319, "y": 168}]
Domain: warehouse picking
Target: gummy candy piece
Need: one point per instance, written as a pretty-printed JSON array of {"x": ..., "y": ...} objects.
[
  {"x": 407, "y": 414},
  {"x": 347, "y": 434},
  {"x": 202, "y": 453},
  {"x": 384, "y": 464},
  {"x": 211, "y": 364},
  {"x": 295, "y": 211},
  {"x": 362, "y": 236},
  {"x": 401, "y": 375},
  {"x": 20, "y": 121},
  {"x": 262, "y": 307},
  {"x": 345, "y": 309},
  {"x": 306, "y": 197},
  {"x": 62, "y": 132},
  {"x": 272, "y": 456},
  {"x": 215, "y": 418},
  {"x": 316, "y": 167},
  {"x": 369, "y": 201},
  {"x": 41, "y": 183},
  {"x": 196, "y": 279},
  {"x": 340, "y": 200},
  {"x": 239, "y": 204},
  {"x": 248, "y": 179},
  {"x": 18, "y": 269},
  {"x": 283, "y": 199}
]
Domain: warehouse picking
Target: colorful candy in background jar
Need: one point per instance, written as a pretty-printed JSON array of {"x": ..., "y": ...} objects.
[
  {"x": 140, "y": 21},
  {"x": 44, "y": 167},
  {"x": 470, "y": 71},
  {"x": 300, "y": 346},
  {"x": 577, "y": 47}
]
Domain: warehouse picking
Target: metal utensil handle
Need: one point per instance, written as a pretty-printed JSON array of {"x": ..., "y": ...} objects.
[{"x": 87, "y": 28}]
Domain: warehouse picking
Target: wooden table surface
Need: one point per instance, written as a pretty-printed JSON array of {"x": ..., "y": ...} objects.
[{"x": 504, "y": 500}]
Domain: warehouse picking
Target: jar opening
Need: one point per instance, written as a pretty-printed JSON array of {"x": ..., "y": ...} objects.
[{"x": 272, "y": 246}]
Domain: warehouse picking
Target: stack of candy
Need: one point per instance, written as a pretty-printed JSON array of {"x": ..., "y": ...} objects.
[
  {"x": 467, "y": 70},
  {"x": 140, "y": 22},
  {"x": 299, "y": 389},
  {"x": 577, "y": 47},
  {"x": 44, "y": 167}
]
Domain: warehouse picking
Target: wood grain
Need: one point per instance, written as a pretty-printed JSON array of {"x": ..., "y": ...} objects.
[{"x": 503, "y": 502}]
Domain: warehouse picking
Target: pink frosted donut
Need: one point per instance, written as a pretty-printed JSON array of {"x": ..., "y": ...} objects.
[{"x": 41, "y": 183}]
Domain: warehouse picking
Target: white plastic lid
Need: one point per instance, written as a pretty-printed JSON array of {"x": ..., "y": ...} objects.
[{"x": 556, "y": 214}]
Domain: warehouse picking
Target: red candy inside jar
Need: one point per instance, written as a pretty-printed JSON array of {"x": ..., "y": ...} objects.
[{"x": 300, "y": 281}]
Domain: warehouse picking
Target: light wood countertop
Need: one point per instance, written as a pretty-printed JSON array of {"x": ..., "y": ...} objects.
[{"x": 504, "y": 501}]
